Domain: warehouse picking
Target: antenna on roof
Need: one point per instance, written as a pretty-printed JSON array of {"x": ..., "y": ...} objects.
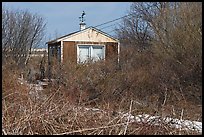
[
  {"x": 82, "y": 17},
  {"x": 82, "y": 24}
]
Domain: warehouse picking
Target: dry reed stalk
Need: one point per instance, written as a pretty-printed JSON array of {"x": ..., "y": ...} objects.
[
  {"x": 88, "y": 129},
  {"x": 128, "y": 117}
]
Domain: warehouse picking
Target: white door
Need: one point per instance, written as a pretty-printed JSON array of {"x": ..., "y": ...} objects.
[
  {"x": 84, "y": 53},
  {"x": 98, "y": 53}
]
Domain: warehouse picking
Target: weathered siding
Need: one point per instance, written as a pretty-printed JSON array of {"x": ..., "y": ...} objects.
[
  {"x": 111, "y": 49},
  {"x": 69, "y": 51},
  {"x": 89, "y": 35}
]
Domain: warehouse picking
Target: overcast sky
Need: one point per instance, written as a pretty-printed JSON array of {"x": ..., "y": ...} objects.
[{"x": 63, "y": 17}]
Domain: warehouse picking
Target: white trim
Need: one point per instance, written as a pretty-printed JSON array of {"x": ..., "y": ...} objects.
[
  {"x": 118, "y": 52},
  {"x": 61, "y": 51},
  {"x": 91, "y": 49}
]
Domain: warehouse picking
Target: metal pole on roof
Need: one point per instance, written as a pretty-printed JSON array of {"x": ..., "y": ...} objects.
[{"x": 82, "y": 23}]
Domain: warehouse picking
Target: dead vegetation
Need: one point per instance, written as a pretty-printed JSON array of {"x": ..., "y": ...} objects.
[
  {"x": 158, "y": 80},
  {"x": 101, "y": 85}
]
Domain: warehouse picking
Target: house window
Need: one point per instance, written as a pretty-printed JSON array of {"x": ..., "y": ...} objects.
[
  {"x": 59, "y": 53},
  {"x": 84, "y": 53},
  {"x": 90, "y": 53},
  {"x": 55, "y": 51},
  {"x": 98, "y": 53}
]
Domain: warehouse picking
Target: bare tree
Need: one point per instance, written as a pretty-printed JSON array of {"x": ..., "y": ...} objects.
[
  {"x": 21, "y": 31},
  {"x": 134, "y": 32},
  {"x": 174, "y": 32},
  {"x": 157, "y": 19}
]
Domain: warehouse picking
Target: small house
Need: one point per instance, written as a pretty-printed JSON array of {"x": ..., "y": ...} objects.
[{"x": 83, "y": 45}]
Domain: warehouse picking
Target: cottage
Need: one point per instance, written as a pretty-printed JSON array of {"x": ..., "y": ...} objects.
[{"x": 83, "y": 45}]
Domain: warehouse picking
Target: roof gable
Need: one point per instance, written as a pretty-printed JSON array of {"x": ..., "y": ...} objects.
[{"x": 89, "y": 34}]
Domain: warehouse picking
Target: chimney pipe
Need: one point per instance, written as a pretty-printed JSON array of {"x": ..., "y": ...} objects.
[{"x": 82, "y": 25}]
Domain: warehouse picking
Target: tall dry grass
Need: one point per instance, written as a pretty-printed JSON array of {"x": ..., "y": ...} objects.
[{"x": 105, "y": 85}]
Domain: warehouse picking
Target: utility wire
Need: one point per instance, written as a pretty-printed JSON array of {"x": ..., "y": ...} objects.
[
  {"x": 110, "y": 31},
  {"x": 113, "y": 20},
  {"x": 107, "y": 26}
]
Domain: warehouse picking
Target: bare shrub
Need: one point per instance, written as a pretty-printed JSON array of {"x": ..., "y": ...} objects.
[
  {"x": 171, "y": 65},
  {"x": 159, "y": 80}
]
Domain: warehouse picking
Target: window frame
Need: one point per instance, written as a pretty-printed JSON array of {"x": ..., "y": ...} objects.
[{"x": 90, "y": 50}]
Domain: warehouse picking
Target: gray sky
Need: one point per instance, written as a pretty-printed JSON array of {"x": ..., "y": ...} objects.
[{"x": 63, "y": 17}]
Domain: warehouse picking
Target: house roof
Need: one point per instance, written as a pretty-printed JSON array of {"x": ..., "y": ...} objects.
[{"x": 80, "y": 31}]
